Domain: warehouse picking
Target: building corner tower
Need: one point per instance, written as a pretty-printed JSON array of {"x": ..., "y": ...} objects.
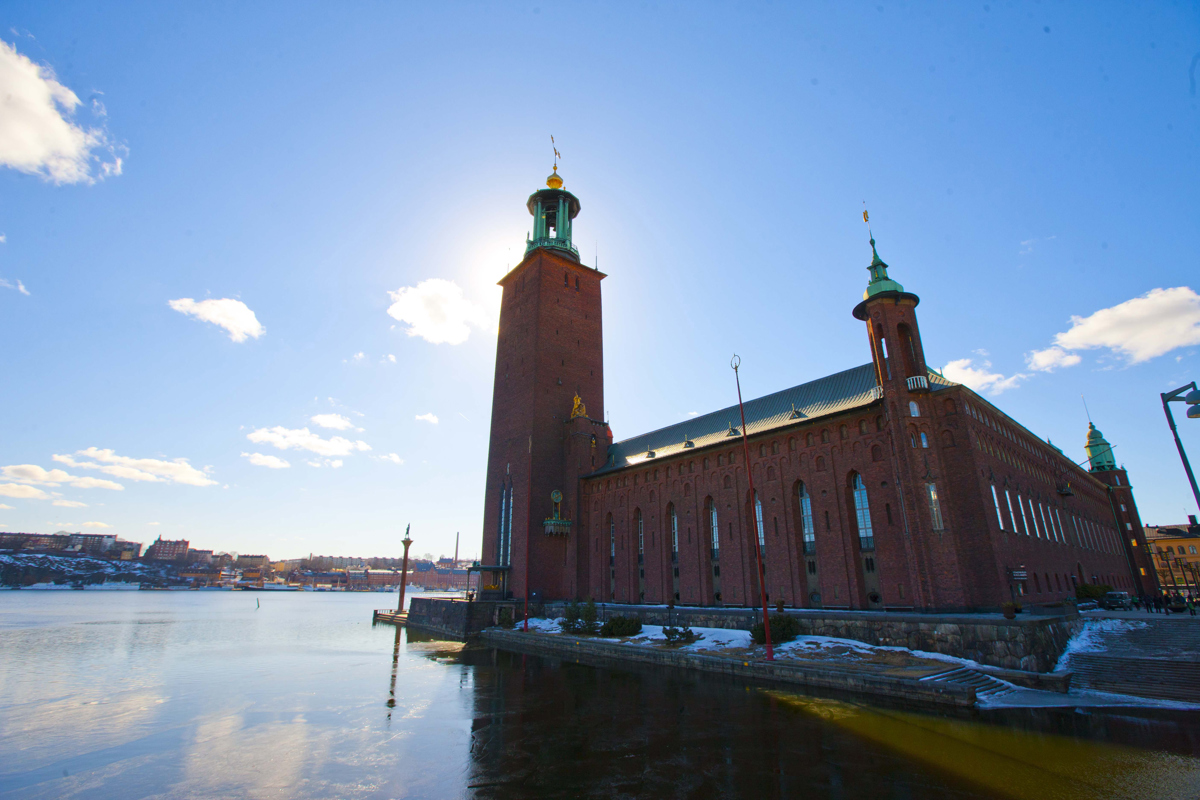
[
  {"x": 547, "y": 409},
  {"x": 1104, "y": 468}
]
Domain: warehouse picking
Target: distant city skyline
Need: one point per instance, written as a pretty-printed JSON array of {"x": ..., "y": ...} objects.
[{"x": 248, "y": 262}]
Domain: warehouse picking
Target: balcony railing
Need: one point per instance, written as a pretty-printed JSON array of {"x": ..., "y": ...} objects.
[
  {"x": 557, "y": 527},
  {"x": 550, "y": 241},
  {"x": 918, "y": 383}
]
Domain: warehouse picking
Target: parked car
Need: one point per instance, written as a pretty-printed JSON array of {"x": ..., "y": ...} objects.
[{"x": 1116, "y": 601}]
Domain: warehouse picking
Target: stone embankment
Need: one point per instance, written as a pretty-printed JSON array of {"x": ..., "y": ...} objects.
[
  {"x": 592, "y": 651},
  {"x": 1027, "y": 643}
]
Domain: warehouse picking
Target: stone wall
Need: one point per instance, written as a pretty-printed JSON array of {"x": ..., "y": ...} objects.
[
  {"x": 455, "y": 619},
  {"x": 1027, "y": 643}
]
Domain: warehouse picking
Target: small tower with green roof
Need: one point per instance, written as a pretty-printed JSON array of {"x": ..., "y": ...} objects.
[{"x": 1099, "y": 451}]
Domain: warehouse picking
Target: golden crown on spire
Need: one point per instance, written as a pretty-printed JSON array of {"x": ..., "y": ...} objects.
[{"x": 554, "y": 181}]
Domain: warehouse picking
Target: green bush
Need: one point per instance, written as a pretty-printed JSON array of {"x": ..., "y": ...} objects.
[
  {"x": 678, "y": 636},
  {"x": 1091, "y": 591},
  {"x": 589, "y": 616},
  {"x": 784, "y": 628},
  {"x": 505, "y": 618},
  {"x": 621, "y": 626},
  {"x": 579, "y": 618}
]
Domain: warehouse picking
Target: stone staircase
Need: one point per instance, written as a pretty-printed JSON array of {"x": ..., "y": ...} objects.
[
  {"x": 1160, "y": 659},
  {"x": 986, "y": 687}
]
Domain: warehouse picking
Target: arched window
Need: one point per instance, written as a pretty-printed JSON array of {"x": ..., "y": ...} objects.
[
  {"x": 914, "y": 410},
  {"x": 758, "y": 523},
  {"x": 775, "y": 448},
  {"x": 825, "y": 436},
  {"x": 612, "y": 540},
  {"x": 673, "y": 522},
  {"x": 947, "y": 439},
  {"x": 637, "y": 522},
  {"x": 876, "y": 453},
  {"x": 808, "y": 440},
  {"x": 791, "y": 443},
  {"x": 862, "y": 513},
  {"x": 566, "y": 280},
  {"x": 924, "y": 440},
  {"x": 843, "y": 432},
  {"x": 728, "y": 482},
  {"x": 706, "y": 463},
  {"x": 820, "y": 464},
  {"x": 862, "y": 427},
  {"x": 713, "y": 527},
  {"x": 879, "y": 423},
  {"x": 770, "y": 473},
  {"x": 806, "y": 519}
]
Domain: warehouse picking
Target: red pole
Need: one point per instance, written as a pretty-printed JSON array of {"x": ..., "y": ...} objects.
[
  {"x": 762, "y": 586},
  {"x": 404, "y": 569}
]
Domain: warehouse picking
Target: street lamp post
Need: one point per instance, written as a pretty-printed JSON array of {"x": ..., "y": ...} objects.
[
  {"x": 1192, "y": 398},
  {"x": 407, "y": 542}
]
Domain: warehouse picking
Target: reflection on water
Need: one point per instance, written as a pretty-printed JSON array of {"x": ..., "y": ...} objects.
[{"x": 202, "y": 695}]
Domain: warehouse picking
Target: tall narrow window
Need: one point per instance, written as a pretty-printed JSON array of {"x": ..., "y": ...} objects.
[
  {"x": 862, "y": 514},
  {"x": 935, "y": 506},
  {"x": 996, "y": 501},
  {"x": 612, "y": 540},
  {"x": 508, "y": 529},
  {"x": 637, "y": 518},
  {"x": 714, "y": 528},
  {"x": 1037, "y": 531},
  {"x": 1062, "y": 533},
  {"x": 924, "y": 440},
  {"x": 914, "y": 410},
  {"x": 1024, "y": 521},
  {"x": 1011, "y": 515},
  {"x": 806, "y": 521},
  {"x": 1045, "y": 524},
  {"x": 758, "y": 520},
  {"x": 501, "y": 539},
  {"x": 674, "y": 522}
]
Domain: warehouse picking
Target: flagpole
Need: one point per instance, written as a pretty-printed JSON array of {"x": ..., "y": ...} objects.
[{"x": 736, "y": 362}]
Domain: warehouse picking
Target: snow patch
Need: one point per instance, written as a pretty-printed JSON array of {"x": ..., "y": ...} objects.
[{"x": 1090, "y": 638}]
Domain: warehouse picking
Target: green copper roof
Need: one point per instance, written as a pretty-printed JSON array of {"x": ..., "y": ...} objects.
[
  {"x": 880, "y": 282},
  {"x": 1099, "y": 451},
  {"x": 833, "y": 394}
]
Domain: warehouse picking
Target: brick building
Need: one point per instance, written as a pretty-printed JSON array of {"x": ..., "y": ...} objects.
[
  {"x": 882, "y": 486},
  {"x": 167, "y": 550}
]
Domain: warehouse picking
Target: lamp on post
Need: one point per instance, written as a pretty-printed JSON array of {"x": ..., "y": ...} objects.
[
  {"x": 1192, "y": 399},
  {"x": 407, "y": 542}
]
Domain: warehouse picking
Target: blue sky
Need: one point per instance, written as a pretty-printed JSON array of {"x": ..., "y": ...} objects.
[{"x": 313, "y": 166}]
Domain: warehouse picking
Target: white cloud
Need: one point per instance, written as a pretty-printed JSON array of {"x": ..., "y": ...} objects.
[
  {"x": 392, "y": 457},
  {"x": 437, "y": 311},
  {"x": 336, "y": 463},
  {"x": 22, "y": 492},
  {"x": 335, "y": 421},
  {"x": 1140, "y": 329},
  {"x": 96, "y": 525},
  {"x": 1051, "y": 359},
  {"x": 33, "y": 474},
  {"x": 2, "y": 506},
  {"x": 138, "y": 469},
  {"x": 69, "y": 504},
  {"x": 272, "y": 462},
  {"x": 430, "y": 418},
  {"x": 20, "y": 287},
  {"x": 314, "y": 463},
  {"x": 359, "y": 356},
  {"x": 304, "y": 439},
  {"x": 232, "y": 315},
  {"x": 978, "y": 377},
  {"x": 391, "y": 358},
  {"x": 38, "y": 135},
  {"x": 693, "y": 413},
  {"x": 154, "y": 523}
]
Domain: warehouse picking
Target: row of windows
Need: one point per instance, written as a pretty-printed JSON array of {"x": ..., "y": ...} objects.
[{"x": 1045, "y": 522}]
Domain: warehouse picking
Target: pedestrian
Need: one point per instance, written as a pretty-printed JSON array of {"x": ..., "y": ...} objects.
[
  {"x": 1157, "y": 604},
  {"x": 1191, "y": 604},
  {"x": 1137, "y": 603}
]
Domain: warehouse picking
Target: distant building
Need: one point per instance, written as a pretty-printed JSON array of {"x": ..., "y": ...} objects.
[
  {"x": 93, "y": 543},
  {"x": 126, "y": 551},
  {"x": 167, "y": 550},
  {"x": 202, "y": 576},
  {"x": 199, "y": 556},
  {"x": 34, "y": 541},
  {"x": 1176, "y": 550},
  {"x": 259, "y": 562}
]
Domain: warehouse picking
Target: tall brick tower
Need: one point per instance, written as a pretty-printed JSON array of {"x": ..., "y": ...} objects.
[
  {"x": 920, "y": 461},
  {"x": 547, "y": 408},
  {"x": 1104, "y": 468}
]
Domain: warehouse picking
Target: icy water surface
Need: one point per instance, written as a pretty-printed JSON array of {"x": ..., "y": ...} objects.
[{"x": 203, "y": 695}]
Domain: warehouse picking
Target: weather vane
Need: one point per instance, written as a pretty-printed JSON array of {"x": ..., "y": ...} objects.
[
  {"x": 867, "y": 219},
  {"x": 557, "y": 155}
]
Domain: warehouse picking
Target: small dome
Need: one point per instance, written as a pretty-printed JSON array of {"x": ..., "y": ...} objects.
[{"x": 554, "y": 182}]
